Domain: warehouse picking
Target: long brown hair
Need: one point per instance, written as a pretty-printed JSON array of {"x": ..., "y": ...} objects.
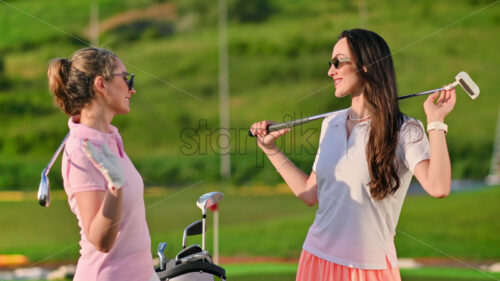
[
  {"x": 374, "y": 63},
  {"x": 71, "y": 81}
]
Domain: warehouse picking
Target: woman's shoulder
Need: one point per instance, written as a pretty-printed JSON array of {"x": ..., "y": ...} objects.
[
  {"x": 409, "y": 122},
  {"x": 74, "y": 144},
  {"x": 412, "y": 130},
  {"x": 80, "y": 133}
]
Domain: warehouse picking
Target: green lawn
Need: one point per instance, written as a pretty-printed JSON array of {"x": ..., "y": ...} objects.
[
  {"x": 286, "y": 272},
  {"x": 464, "y": 225},
  {"x": 283, "y": 272}
]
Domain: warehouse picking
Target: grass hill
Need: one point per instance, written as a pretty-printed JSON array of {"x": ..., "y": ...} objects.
[{"x": 277, "y": 58}]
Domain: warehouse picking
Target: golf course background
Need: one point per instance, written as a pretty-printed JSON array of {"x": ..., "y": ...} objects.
[{"x": 278, "y": 53}]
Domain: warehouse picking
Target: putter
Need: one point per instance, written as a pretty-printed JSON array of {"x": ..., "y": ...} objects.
[
  {"x": 193, "y": 229},
  {"x": 44, "y": 188},
  {"x": 206, "y": 201},
  {"x": 463, "y": 79},
  {"x": 161, "y": 249}
]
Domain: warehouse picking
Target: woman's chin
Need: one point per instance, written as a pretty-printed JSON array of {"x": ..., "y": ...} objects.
[
  {"x": 340, "y": 94},
  {"x": 123, "y": 111}
]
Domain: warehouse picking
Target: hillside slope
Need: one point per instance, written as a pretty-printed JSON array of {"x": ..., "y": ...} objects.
[{"x": 277, "y": 72}]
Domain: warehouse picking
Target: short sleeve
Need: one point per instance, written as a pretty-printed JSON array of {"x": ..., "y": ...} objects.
[
  {"x": 415, "y": 143},
  {"x": 324, "y": 127},
  {"x": 82, "y": 175},
  {"x": 315, "y": 161}
]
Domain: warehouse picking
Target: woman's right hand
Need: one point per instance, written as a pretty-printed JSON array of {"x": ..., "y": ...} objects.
[{"x": 265, "y": 139}]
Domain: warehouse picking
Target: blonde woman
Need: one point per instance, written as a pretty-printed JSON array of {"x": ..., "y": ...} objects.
[{"x": 104, "y": 189}]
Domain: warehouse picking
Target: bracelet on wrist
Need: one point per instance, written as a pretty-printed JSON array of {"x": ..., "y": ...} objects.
[
  {"x": 437, "y": 126},
  {"x": 281, "y": 165}
]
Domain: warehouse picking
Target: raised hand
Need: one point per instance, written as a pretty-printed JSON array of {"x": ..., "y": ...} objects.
[
  {"x": 439, "y": 104},
  {"x": 107, "y": 163}
]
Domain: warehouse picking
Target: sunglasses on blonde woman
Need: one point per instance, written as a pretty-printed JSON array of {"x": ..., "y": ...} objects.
[
  {"x": 129, "y": 81},
  {"x": 336, "y": 62}
]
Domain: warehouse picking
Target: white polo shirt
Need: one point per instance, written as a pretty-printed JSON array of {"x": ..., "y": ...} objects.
[{"x": 351, "y": 228}]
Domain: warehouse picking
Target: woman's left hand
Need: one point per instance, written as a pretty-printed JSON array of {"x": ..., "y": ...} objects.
[
  {"x": 107, "y": 163},
  {"x": 439, "y": 104}
]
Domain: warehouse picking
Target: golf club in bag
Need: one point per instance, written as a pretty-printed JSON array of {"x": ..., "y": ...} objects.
[
  {"x": 463, "y": 79},
  {"x": 192, "y": 263}
]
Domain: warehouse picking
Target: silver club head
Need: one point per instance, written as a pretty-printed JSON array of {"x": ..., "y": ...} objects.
[
  {"x": 468, "y": 84},
  {"x": 161, "y": 249},
  {"x": 207, "y": 200},
  {"x": 44, "y": 190},
  {"x": 193, "y": 229}
]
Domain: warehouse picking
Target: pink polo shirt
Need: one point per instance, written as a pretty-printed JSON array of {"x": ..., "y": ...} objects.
[
  {"x": 351, "y": 228},
  {"x": 130, "y": 257}
]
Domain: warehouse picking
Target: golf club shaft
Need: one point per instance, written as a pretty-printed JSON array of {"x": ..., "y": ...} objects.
[
  {"x": 44, "y": 188},
  {"x": 56, "y": 154},
  {"x": 293, "y": 123},
  {"x": 420, "y": 94},
  {"x": 204, "y": 229}
]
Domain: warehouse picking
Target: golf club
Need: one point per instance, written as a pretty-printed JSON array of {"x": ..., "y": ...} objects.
[
  {"x": 193, "y": 229},
  {"x": 44, "y": 188},
  {"x": 206, "y": 201},
  {"x": 204, "y": 255},
  {"x": 161, "y": 249},
  {"x": 463, "y": 79}
]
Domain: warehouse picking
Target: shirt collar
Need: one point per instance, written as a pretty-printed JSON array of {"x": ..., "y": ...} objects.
[
  {"x": 81, "y": 131},
  {"x": 339, "y": 119}
]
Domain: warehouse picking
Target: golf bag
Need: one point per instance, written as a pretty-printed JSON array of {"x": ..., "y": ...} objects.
[
  {"x": 198, "y": 269},
  {"x": 192, "y": 263}
]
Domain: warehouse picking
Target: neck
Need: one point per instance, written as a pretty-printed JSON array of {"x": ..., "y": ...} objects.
[
  {"x": 95, "y": 117},
  {"x": 358, "y": 110}
]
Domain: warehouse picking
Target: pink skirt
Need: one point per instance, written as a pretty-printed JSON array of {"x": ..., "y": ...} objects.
[{"x": 312, "y": 268}]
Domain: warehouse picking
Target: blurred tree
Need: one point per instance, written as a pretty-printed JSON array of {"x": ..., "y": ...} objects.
[
  {"x": 196, "y": 14},
  {"x": 4, "y": 83},
  {"x": 251, "y": 11},
  {"x": 348, "y": 5}
]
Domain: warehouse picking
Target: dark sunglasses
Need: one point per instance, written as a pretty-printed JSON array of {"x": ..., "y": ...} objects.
[
  {"x": 336, "y": 62},
  {"x": 129, "y": 81}
]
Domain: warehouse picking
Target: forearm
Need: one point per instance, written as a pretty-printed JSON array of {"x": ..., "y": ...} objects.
[
  {"x": 295, "y": 178},
  {"x": 439, "y": 171},
  {"x": 106, "y": 224}
]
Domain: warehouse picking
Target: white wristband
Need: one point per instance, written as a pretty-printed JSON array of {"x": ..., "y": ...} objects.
[{"x": 437, "y": 126}]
